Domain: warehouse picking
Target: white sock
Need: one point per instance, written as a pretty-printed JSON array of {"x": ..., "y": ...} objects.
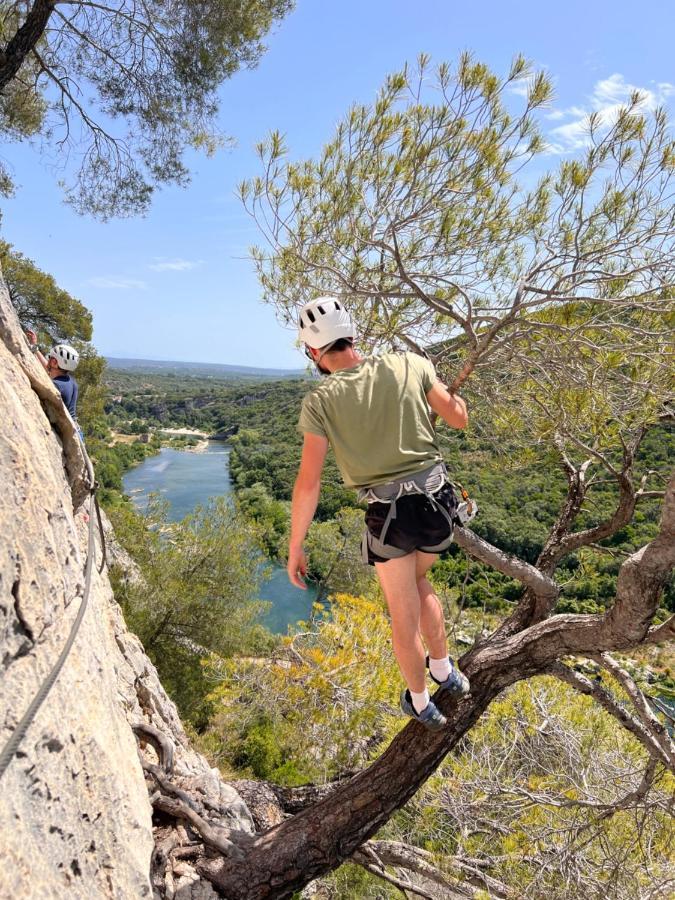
[
  {"x": 419, "y": 701},
  {"x": 440, "y": 668}
]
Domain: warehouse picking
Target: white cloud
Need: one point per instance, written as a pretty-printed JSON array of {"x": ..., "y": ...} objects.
[
  {"x": 608, "y": 97},
  {"x": 554, "y": 148},
  {"x": 174, "y": 265},
  {"x": 521, "y": 87},
  {"x": 114, "y": 283}
]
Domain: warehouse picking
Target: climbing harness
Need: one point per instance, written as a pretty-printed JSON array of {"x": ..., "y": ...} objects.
[
  {"x": 428, "y": 483},
  {"x": 12, "y": 745}
]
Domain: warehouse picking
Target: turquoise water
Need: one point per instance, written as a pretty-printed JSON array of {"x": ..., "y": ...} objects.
[
  {"x": 183, "y": 478},
  {"x": 188, "y": 479}
]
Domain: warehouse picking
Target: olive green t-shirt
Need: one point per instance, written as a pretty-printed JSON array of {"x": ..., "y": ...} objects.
[{"x": 376, "y": 418}]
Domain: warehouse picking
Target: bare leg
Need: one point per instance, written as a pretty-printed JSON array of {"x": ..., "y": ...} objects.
[
  {"x": 432, "y": 624},
  {"x": 398, "y": 578}
]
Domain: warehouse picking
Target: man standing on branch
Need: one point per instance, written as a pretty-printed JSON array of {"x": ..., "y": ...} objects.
[
  {"x": 62, "y": 360},
  {"x": 375, "y": 413}
]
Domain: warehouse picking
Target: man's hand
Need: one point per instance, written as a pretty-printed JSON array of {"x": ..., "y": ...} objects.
[
  {"x": 33, "y": 341},
  {"x": 297, "y": 567}
]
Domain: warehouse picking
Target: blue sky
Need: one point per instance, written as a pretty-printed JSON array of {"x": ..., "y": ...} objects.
[{"x": 178, "y": 285}]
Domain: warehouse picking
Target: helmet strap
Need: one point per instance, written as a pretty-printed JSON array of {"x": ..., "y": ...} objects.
[{"x": 325, "y": 350}]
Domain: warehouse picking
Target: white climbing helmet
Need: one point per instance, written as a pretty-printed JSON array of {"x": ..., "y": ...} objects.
[
  {"x": 324, "y": 321},
  {"x": 66, "y": 356}
]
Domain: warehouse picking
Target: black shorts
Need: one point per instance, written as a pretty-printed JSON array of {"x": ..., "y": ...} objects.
[{"x": 418, "y": 525}]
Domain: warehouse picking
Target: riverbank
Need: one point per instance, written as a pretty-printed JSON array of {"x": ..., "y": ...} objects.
[{"x": 178, "y": 438}]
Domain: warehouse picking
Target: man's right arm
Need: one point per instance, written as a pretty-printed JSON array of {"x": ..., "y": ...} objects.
[{"x": 305, "y": 499}]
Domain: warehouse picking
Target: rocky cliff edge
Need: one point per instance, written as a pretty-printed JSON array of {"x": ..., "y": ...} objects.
[{"x": 75, "y": 818}]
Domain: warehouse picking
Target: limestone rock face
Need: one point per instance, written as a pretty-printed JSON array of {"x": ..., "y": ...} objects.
[
  {"x": 74, "y": 813},
  {"x": 75, "y": 819}
]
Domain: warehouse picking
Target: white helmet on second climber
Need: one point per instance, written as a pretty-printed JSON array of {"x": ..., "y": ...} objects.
[
  {"x": 66, "y": 356},
  {"x": 324, "y": 321}
]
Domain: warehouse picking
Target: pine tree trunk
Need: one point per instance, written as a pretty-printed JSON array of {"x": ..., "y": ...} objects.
[{"x": 24, "y": 40}]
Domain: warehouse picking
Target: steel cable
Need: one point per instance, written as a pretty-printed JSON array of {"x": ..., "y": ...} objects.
[{"x": 12, "y": 745}]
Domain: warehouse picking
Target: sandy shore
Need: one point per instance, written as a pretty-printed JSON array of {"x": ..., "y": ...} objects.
[
  {"x": 188, "y": 432},
  {"x": 198, "y": 448}
]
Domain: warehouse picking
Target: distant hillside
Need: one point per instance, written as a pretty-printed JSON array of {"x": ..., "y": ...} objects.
[{"x": 204, "y": 370}]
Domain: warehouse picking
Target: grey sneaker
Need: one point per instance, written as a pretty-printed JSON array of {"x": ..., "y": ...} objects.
[
  {"x": 456, "y": 683},
  {"x": 431, "y": 716}
]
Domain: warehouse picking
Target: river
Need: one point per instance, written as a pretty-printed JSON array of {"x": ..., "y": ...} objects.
[{"x": 187, "y": 479}]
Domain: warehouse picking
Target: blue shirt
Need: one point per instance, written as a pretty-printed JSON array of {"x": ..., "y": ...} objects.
[{"x": 68, "y": 389}]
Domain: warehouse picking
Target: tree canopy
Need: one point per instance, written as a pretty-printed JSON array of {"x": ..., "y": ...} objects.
[
  {"x": 429, "y": 210},
  {"x": 40, "y": 303},
  {"x": 122, "y": 89}
]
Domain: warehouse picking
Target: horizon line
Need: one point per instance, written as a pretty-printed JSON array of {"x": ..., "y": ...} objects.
[{"x": 194, "y": 362}]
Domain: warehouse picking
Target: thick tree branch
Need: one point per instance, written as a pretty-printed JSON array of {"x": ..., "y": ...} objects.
[
  {"x": 535, "y": 605},
  {"x": 641, "y": 578},
  {"x": 576, "y": 493},
  {"x": 25, "y": 40},
  {"x": 639, "y": 584},
  {"x": 541, "y": 590},
  {"x": 621, "y": 516},
  {"x": 561, "y": 541},
  {"x": 522, "y": 571}
]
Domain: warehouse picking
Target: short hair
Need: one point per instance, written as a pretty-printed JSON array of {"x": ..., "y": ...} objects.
[{"x": 341, "y": 344}]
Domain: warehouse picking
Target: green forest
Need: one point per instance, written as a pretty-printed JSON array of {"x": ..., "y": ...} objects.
[
  {"x": 518, "y": 499},
  {"x": 299, "y": 710}
]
